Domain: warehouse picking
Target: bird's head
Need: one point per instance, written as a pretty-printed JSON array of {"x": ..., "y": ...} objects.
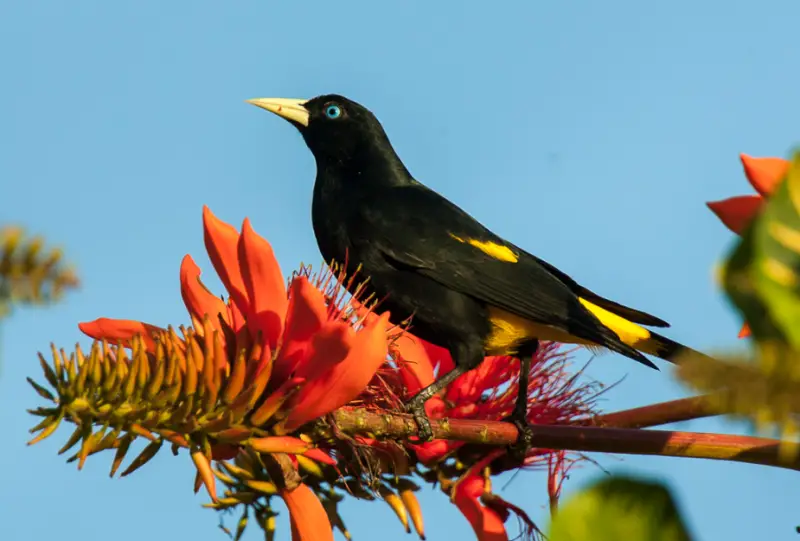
[{"x": 335, "y": 128}]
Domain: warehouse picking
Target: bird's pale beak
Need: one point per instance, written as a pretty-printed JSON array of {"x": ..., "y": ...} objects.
[{"x": 290, "y": 109}]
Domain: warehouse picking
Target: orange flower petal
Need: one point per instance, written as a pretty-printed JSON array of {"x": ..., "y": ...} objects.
[
  {"x": 431, "y": 452},
  {"x": 319, "y": 455},
  {"x": 221, "y": 241},
  {"x": 416, "y": 363},
  {"x": 469, "y": 387},
  {"x": 764, "y": 174},
  {"x": 263, "y": 282},
  {"x": 464, "y": 411},
  {"x": 198, "y": 299},
  {"x": 205, "y": 474},
  {"x": 486, "y": 522},
  {"x": 305, "y": 315},
  {"x": 745, "y": 332},
  {"x": 120, "y": 330},
  {"x": 329, "y": 346},
  {"x": 308, "y": 518},
  {"x": 439, "y": 356},
  {"x": 464, "y": 386},
  {"x": 737, "y": 212},
  {"x": 344, "y": 381},
  {"x": 279, "y": 444},
  {"x": 436, "y": 408},
  {"x": 234, "y": 318}
]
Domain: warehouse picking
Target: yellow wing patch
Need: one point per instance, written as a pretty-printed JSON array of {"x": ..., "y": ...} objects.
[
  {"x": 492, "y": 249},
  {"x": 630, "y": 333},
  {"x": 509, "y": 331}
]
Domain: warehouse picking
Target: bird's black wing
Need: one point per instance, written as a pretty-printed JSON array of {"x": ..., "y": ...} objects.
[
  {"x": 631, "y": 314},
  {"x": 417, "y": 229}
]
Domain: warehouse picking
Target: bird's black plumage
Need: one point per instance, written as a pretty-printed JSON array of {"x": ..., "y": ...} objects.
[{"x": 467, "y": 289}]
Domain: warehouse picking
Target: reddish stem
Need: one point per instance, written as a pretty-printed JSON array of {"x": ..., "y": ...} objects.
[
  {"x": 580, "y": 438},
  {"x": 673, "y": 411}
]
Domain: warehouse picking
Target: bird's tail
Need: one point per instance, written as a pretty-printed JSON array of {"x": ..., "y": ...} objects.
[
  {"x": 664, "y": 348},
  {"x": 637, "y": 337}
]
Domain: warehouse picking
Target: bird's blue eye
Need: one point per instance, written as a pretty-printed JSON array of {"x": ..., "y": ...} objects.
[{"x": 333, "y": 111}]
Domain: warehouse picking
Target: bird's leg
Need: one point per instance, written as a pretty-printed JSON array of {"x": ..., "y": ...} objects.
[
  {"x": 520, "y": 414},
  {"x": 416, "y": 405},
  {"x": 466, "y": 355}
]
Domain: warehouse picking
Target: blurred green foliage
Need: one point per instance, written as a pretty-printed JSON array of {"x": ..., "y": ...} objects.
[
  {"x": 617, "y": 508},
  {"x": 29, "y": 272},
  {"x": 762, "y": 280}
]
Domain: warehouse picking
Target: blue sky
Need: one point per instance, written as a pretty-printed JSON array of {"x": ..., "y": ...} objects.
[{"x": 590, "y": 133}]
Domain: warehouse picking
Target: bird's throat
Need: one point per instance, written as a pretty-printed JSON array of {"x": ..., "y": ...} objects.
[{"x": 366, "y": 166}]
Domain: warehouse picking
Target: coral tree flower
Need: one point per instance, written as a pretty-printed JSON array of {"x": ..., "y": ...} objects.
[
  {"x": 489, "y": 393},
  {"x": 242, "y": 383},
  {"x": 309, "y": 359},
  {"x": 736, "y": 213}
]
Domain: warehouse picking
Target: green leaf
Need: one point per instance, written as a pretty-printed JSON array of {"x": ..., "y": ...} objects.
[
  {"x": 618, "y": 508},
  {"x": 762, "y": 275},
  {"x": 767, "y": 394}
]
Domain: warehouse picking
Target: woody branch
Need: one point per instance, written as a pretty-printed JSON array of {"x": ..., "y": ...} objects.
[
  {"x": 733, "y": 448},
  {"x": 673, "y": 411}
]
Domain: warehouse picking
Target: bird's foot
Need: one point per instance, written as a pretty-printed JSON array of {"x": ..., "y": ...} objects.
[
  {"x": 519, "y": 449},
  {"x": 417, "y": 409}
]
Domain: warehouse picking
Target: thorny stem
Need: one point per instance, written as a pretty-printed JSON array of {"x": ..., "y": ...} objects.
[
  {"x": 630, "y": 441},
  {"x": 673, "y": 411}
]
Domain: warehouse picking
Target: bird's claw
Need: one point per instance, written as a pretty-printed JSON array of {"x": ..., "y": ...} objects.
[
  {"x": 424, "y": 430},
  {"x": 519, "y": 449}
]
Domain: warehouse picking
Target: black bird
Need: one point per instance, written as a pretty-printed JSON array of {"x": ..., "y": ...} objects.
[{"x": 468, "y": 290}]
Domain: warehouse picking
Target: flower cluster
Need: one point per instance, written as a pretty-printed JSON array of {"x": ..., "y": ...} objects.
[
  {"x": 251, "y": 386},
  {"x": 764, "y": 175},
  {"x": 488, "y": 393}
]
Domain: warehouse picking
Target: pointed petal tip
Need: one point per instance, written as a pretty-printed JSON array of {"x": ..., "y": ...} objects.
[
  {"x": 383, "y": 319},
  {"x": 736, "y": 212},
  {"x": 764, "y": 174},
  {"x": 221, "y": 240},
  {"x": 745, "y": 331},
  {"x": 307, "y": 515},
  {"x": 199, "y": 301},
  {"x": 122, "y": 330},
  {"x": 264, "y": 283},
  {"x": 188, "y": 268},
  {"x": 86, "y": 327},
  {"x": 207, "y": 214}
]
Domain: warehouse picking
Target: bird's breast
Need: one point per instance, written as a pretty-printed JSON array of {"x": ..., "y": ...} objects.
[{"x": 329, "y": 217}]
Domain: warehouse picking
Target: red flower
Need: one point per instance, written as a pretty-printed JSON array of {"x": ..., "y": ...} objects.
[
  {"x": 487, "y": 522},
  {"x": 485, "y": 511},
  {"x": 764, "y": 174},
  {"x": 315, "y": 361},
  {"x": 489, "y": 393},
  {"x": 308, "y": 518}
]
